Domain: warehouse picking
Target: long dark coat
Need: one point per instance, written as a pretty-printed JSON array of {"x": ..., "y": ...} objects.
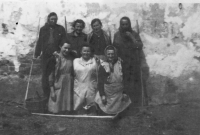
[
  {"x": 132, "y": 54},
  {"x": 47, "y": 50}
]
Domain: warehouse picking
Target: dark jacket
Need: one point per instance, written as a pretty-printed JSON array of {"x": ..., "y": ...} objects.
[
  {"x": 76, "y": 41},
  {"x": 131, "y": 53},
  {"x": 125, "y": 46},
  {"x": 43, "y": 46},
  {"x": 100, "y": 43}
]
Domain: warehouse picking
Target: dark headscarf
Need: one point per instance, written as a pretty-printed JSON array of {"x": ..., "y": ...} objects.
[{"x": 129, "y": 21}]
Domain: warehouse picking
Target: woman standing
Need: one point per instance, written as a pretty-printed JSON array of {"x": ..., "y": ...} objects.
[
  {"x": 76, "y": 38},
  {"x": 86, "y": 70},
  {"x": 129, "y": 45},
  {"x": 61, "y": 81},
  {"x": 98, "y": 38},
  {"x": 115, "y": 100},
  {"x": 51, "y": 38}
]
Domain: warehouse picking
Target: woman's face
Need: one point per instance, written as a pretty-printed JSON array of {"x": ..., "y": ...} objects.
[
  {"x": 78, "y": 28},
  {"x": 124, "y": 24},
  {"x": 96, "y": 26},
  {"x": 65, "y": 49},
  {"x": 86, "y": 53},
  {"x": 53, "y": 20},
  {"x": 110, "y": 54}
]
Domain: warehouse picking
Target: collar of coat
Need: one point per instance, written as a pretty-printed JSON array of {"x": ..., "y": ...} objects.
[
  {"x": 85, "y": 63},
  {"x": 47, "y": 26},
  {"x": 106, "y": 36},
  {"x": 73, "y": 34}
]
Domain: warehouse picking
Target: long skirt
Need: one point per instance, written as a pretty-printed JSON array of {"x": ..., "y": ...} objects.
[
  {"x": 64, "y": 95},
  {"x": 84, "y": 95},
  {"x": 116, "y": 101}
]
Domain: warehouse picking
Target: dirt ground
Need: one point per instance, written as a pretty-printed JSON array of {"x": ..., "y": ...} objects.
[{"x": 177, "y": 119}]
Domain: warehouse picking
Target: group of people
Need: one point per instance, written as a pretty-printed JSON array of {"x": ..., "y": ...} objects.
[{"x": 86, "y": 73}]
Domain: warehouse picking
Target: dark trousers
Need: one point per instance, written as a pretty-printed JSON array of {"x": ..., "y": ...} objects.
[{"x": 45, "y": 75}]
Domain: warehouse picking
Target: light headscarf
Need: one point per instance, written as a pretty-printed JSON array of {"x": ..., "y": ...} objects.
[
  {"x": 111, "y": 47},
  {"x": 111, "y": 65}
]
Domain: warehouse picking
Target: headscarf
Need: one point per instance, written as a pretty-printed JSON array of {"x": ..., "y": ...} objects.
[
  {"x": 129, "y": 21},
  {"x": 113, "y": 48},
  {"x": 111, "y": 65}
]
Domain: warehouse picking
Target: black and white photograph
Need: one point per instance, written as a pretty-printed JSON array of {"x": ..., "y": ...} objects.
[{"x": 99, "y": 67}]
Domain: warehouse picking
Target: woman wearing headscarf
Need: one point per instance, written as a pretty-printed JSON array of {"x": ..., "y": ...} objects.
[
  {"x": 61, "y": 81},
  {"x": 98, "y": 38},
  {"x": 114, "y": 99},
  {"x": 129, "y": 45},
  {"x": 51, "y": 37}
]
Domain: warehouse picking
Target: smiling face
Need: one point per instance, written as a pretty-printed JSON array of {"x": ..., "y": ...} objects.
[
  {"x": 78, "y": 28},
  {"x": 86, "y": 53},
  {"x": 65, "y": 49},
  {"x": 96, "y": 26},
  {"x": 110, "y": 54},
  {"x": 53, "y": 20}
]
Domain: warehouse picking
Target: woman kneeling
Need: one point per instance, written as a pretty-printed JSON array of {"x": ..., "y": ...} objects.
[
  {"x": 86, "y": 70},
  {"x": 115, "y": 100},
  {"x": 61, "y": 81}
]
